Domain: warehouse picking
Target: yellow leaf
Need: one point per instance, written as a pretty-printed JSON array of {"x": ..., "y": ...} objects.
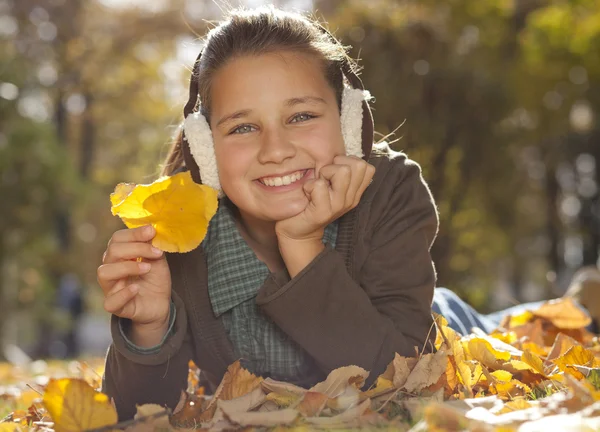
[
  {"x": 510, "y": 390},
  {"x": 177, "y": 207},
  {"x": 563, "y": 313},
  {"x": 10, "y": 427},
  {"x": 382, "y": 386},
  {"x": 506, "y": 337},
  {"x": 521, "y": 319},
  {"x": 535, "y": 349},
  {"x": 482, "y": 351},
  {"x": 502, "y": 376},
  {"x": 515, "y": 405},
  {"x": 575, "y": 356},
  {"x": 75, "y": 406},
  {"x": 283, "y": 400},
  {"x": 534, "y": 361}
]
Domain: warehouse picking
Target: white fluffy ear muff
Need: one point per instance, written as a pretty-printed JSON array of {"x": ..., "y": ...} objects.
[
  {"x": 352, "y": 119},
  {"x": 200, "y": 140}
]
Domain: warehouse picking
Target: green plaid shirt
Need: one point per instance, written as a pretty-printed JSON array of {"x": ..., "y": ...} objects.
[{"x": 235, "y": 275}]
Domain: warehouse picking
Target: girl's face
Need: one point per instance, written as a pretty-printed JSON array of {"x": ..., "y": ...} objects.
[{"x": 275, "y": 123}]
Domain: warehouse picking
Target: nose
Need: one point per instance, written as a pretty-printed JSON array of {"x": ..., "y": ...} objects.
[{"x": 275, "y": 146}]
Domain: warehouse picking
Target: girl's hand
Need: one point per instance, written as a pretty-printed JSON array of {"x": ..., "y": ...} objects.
[
  {"x": 140, "y": 291},
  {"x": 337, "y": 191}
]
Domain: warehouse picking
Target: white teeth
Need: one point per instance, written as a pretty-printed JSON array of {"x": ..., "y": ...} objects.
[{"x": 285, "y": 180}]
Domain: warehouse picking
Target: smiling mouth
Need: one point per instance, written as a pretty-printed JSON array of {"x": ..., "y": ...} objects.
[{"x": 284, "y": 180}]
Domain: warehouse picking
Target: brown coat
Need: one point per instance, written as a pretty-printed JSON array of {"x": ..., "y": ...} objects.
[{"x": 356, "y": 304}]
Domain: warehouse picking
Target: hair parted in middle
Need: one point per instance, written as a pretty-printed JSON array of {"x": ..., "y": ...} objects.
[{"x": 262, "y": 31}]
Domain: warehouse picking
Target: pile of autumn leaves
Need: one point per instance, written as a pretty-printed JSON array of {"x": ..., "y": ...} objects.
[{"x": 542, "y": 366}]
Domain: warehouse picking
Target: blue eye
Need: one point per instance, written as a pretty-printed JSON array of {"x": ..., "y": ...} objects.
[
  {"x": 243, "y": 129},
  {"x": 302, "y": 117}
]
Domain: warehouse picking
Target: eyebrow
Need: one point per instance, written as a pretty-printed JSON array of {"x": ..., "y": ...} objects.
[{"x": 313, "y": 100}]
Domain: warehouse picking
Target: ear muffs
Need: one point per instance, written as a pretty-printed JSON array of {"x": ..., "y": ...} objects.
[{"x": 198, "y": 146}]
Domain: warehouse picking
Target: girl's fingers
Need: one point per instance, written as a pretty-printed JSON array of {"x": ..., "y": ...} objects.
[
  {"x": 359, "y": 170},
  {"x": 141, "y": 234},
  {"x": 130, "y": 251},
  {"x": 319, "y": 199},
  {"x": 340, "y": 177},
  {"x": 108, "y": 273},
  {"x": 117, "y": 303}
]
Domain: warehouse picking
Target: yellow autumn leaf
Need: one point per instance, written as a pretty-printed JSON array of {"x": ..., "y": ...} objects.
[
  {"x": 515, "y": 405},
  {"x": 75, "y": 406},
  {"x": 283, "y": 400},
  {"x": 510, "y": 390},
  {"x": 563, "y": 313},
  {"x": 534, "y": 361},
  {"x": 575, "y": 356},
  {"x": 482, "y": 351},
  {"x": 520, "y": 319},
  {"x": 502, "y": 375},
  {"x": 177, "y": 207}
]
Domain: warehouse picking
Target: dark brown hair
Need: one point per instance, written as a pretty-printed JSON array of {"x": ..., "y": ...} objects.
[{"x": 256, "y": 32}]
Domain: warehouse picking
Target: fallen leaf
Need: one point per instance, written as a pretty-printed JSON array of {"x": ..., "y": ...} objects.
[
  {"x": 576, "y": 355},
  {"x": 270, "y": 385},
  {"x": 534, "y": 361},
  {"x": 402, "y": 368},
  {"x": 562, "y": 344},
  {"x": 382, "y": 386},
  {"x": 339, "y": 379},
  {"x": 426, "y": 372},
  {"x": 515, "y": 405},
  {"x": 563, "y": 313},
  {"x": 312, "y": 404},
  {"x": 247, "y": 402},
  {"x": 236, "y": 382},
  {"x": 482, "y": 351},
  {"x": 341, "y": 419},
  {"x": 177, "y": 207},
  {"x": 75, "y": 406},
  {"x": 266, "y": 419},
  {"x": 283, "y": 400}
]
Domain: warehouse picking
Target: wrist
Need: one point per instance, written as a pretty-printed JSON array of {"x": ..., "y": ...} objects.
[
  {"x": 147, "y": 335},
  {"x": 297, "y": 254}
]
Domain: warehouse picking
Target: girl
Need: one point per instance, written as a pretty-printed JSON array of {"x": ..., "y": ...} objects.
[{"x": 318, "y": 256}]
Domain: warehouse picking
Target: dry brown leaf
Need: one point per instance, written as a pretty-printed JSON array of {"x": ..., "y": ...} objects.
[
  {"x": 427, "y": 371},
  {"x": 342, "y": 419},
  {"x": 236, "y": 382},
  {"x": 312, "y": 404},
  {"x": 402, "y": 368},
  {"x": 270, "y": 385},
  {"x": 339, "y": 379},
  {"x": 247, "y": 402},
  {"x": 563, "y": 313},
  {"x": 265, "y": 419}
]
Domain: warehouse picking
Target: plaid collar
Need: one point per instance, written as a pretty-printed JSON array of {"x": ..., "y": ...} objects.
[{"x": 235, "y": 274}]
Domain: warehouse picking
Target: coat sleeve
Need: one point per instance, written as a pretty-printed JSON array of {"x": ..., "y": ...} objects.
[
  {"x": 386, "y": 308},
  {"x": 132, "y": 378}
]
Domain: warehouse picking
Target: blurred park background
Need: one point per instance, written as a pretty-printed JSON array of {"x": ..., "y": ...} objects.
[{"x": 498, "y": 100}]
